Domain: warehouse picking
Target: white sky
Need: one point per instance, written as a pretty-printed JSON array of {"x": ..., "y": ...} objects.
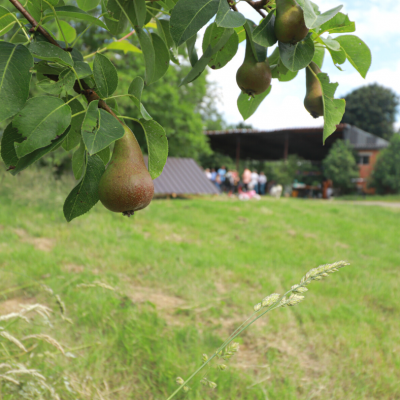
[{"x": 377, "y": 24}]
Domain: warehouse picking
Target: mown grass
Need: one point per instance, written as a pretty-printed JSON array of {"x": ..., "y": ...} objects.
[
  {"x": 188, "y": 272},
  {"x": 372, "y": 197}
]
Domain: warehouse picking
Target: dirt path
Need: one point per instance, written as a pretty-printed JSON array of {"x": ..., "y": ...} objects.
[{"x": 371, "y": 203}]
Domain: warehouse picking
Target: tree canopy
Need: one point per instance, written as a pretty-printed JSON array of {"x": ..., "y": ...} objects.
[
  {"x": 340, "y": 165},
  {"x": 386, "y": 174},
  {"x": 372, "y": 108}
]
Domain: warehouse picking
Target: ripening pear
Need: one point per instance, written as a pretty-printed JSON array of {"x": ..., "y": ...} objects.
[
  {"x": 289, "y": 22},
  {"x": 126, "y": 185},
  {"x": 253, "y": 77},
  {"x": 313, "y": 100}
]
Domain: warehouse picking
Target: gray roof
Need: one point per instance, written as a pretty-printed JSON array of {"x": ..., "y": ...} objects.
[
  {"x": 360, "y": 139},
  {"x": 183, "y": 176}
]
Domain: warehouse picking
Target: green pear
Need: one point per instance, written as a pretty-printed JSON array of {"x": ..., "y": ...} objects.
[
  {"x": 126, "y": 185},
  {"x": 253, "y": 77},
  {"x": 313, "y": 101},
  {"x": 289, "y": 22}
]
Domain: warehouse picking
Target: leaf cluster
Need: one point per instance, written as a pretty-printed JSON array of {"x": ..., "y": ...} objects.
[{"x": 77, "y": 105}]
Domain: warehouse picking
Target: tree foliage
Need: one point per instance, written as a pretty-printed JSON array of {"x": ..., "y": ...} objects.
[
  {"x": 372, "y": 108},
  {"x": 340, "y": 166},
  {"x": 386, "y": 173},
  {"x": 48, "y": 45}
]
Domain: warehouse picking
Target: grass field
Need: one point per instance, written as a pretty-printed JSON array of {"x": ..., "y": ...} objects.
[{"x": 187, "y": 273}]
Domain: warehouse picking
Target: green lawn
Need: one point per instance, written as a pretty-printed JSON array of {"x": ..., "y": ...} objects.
[{"x": 188, "y": 272}]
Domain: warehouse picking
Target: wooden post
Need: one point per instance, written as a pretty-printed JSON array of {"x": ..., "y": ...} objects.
[{"x": 237, "y": 151}]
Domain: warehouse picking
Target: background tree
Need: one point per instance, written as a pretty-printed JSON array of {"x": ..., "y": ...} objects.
[
  {"x": 340, "y": 166},
  {"x": 372, "y": 108},
  {"x": 386, "y": 174}
]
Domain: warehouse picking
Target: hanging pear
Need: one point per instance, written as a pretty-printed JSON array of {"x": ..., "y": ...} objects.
[
  {"x": 126, "y": 185},
  {"x": 313, "y": 101},
  {"x": 253, "y": 77},
  {"x": 289, "y": 22}
]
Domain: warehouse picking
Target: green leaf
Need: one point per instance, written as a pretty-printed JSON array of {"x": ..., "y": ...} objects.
[
  {"x": 50, "y": 52},
  {"x": 15, "y": 78},
  {"x": 135, "y": 91},
  {"x": 86, "y": 193},
  {"x": 333, "y": 108},
  {"x": 274, "y": 57},
  {"x": 207, "y": 56},
  {"x": 87, "y": 5},
  {"x": 148, "y": 52},
  {"x": 36, "y": 8},
  {"x": 8, "y": 153},
  {"x": 330, "y": 43},
  {"x": 76, "y": 13},
  {"x": 140, "y": 12},
  {"x": 338, "y": 57},
  {"x": 68, "y": 30},
  {"x": 115, "y": 20},
  {"x": 241, "y": 32},
  {"x": 248, "y": 105},
  {"x": 105, "y": 75},
  {"x": 163, "y": 30},
  {"x": 264, "y": 34},
  {"x": 7, "y": 20},
  {"x": 79, "y": 161},
  {"x": 226, "y": 53},
  {"x": 357, "y": 52},
  {"x": 105, "y": 155},
  {"x": 157, "y": 146},
  {"x": 191, "y": 49},
  {"x": 260, "y": 52},
  {"x": 26, "y": 161},
  {"x": 65, "y": 82},
  {"x": 42, "y": 120},
  {"x": 189, "y": 16},
  {"x": 298, "y": 56},
  {"x": 74, "y": 135},
  {"x": 279, "y": 70},
  {"x": 43, "y": 68},
  {"x": 82, "y": 69},
  {"x": 314, "y": 20},
  {"x": 340, "y": 23},
  {"x": 228, "y": 19},
  {"x": 123, "y": 45},
  {"x": 100, "y": 129},
  {"x": 289, "y": 76},
  {"x": 319, "y": 55},
  {"x": 161, "y": 57}
]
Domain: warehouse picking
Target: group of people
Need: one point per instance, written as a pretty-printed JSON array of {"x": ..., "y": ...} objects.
[{"x": 229, "y": 180}]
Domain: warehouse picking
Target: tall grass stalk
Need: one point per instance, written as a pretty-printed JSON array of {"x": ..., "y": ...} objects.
[{"x": 268, "y": 304}]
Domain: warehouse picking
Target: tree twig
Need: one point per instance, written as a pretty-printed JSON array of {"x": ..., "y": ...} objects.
[
  {"x": 32, "y": 21},
  {"x": 258, "y": 6}
]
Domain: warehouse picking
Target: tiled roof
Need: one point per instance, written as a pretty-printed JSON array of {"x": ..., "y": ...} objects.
[{"x": 183, "y": 176}]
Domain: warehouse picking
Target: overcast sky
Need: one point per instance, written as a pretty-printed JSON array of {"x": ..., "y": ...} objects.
[{"x": 378, "y": 25}]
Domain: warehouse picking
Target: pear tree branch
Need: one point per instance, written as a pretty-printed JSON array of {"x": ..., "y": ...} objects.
[
  {"x": 80, "y": 87},
  {"x": 32, "y": 21},
  {"x": 258, "y": 6}
]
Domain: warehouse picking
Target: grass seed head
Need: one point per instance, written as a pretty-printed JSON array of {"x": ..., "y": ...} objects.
[
  {"x": 179, "y": 380},
  {"x": 12, "y": 339},
  {"x": 269, "y": 300}
]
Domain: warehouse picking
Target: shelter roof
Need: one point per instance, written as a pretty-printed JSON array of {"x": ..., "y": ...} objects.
[
  {"x": 275, "y": 144},
  {"x": 182, "y": 176}
]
